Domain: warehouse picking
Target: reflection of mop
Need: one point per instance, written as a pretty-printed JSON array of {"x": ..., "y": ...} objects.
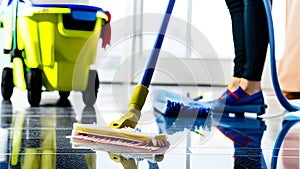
[
  {"x": 137, "y": 100},
  {"x": 132, "y": 162}
]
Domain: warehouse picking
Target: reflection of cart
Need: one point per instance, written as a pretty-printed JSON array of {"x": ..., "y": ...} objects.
[{"x": 54, "y": 47}]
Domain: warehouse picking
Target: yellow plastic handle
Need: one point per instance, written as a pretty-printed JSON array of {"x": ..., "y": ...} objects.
[{"x": 133, "y": 113}]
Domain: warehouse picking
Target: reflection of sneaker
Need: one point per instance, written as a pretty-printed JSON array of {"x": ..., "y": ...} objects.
[
  {"x": 242, "y": 137},
  {"x": 244, "y": 132},
  {"x": 249, "y": 158},
  {"x": 246, "y": 135}
]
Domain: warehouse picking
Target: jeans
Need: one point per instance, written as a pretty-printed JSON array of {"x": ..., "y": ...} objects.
[{"x": 250, "y": 37}]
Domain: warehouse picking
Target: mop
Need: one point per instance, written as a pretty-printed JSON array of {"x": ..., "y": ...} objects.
[{"x": 121, "y": 137}]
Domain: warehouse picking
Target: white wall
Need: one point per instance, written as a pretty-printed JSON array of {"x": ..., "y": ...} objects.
[{"x": 209, "y": 17}]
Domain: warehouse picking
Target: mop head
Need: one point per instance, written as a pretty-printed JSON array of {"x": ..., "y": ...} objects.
[{"x": 118, "y": 141}]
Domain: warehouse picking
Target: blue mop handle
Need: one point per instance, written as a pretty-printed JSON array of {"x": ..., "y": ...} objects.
[
  {"x": 283, "y": 101},
  {"x": 146, "y": 80}
]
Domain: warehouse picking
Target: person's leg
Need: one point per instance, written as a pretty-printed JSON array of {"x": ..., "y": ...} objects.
[
  {"x": 236, "y": 10},
  {"x": 234, "y": 83},
  {"x": 256, "y": 41}
]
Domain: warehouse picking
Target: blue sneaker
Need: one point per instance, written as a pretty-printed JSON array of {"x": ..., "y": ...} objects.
[{"x": 238, "y": 102}]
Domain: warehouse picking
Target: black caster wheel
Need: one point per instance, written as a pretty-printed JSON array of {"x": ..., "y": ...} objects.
[
  {"x": 34, "y": 87},
  {"x": 64, "y": 95},
  {"x": 7, "y": 84},
  {"x": 89, "y": 96}
]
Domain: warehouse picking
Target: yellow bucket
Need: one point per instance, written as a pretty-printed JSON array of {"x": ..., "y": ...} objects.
[{"x": 54, "y": 40}]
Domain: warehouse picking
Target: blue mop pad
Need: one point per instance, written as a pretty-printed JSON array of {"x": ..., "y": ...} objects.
[
  {"x": 175, "y": 109},
  {"x": 171, "y": 104}
]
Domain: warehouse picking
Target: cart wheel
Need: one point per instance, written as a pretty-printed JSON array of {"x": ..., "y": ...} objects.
[
  {"x": 64, "y": 95},
  {"x": 7, "y": 84},
  {"x": 89, "y": 96},
  {"x": 34, "y": 87}
]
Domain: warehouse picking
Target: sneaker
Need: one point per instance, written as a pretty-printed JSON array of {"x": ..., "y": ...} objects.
[{"x": 238, "y": 102}]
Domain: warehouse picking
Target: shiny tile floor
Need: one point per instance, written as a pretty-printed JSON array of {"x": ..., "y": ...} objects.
[{"x": 37, "y": 137}]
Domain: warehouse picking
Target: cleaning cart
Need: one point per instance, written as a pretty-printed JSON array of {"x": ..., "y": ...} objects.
[{"x": 52, "y": 47}]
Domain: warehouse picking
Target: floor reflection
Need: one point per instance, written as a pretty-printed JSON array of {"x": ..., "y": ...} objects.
[
  {"x": 246, "y": 135},
  {"x": 6, "y": 120},
  {"x": 37, "y": 137},
  {"x": 287, "y": 143}
]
